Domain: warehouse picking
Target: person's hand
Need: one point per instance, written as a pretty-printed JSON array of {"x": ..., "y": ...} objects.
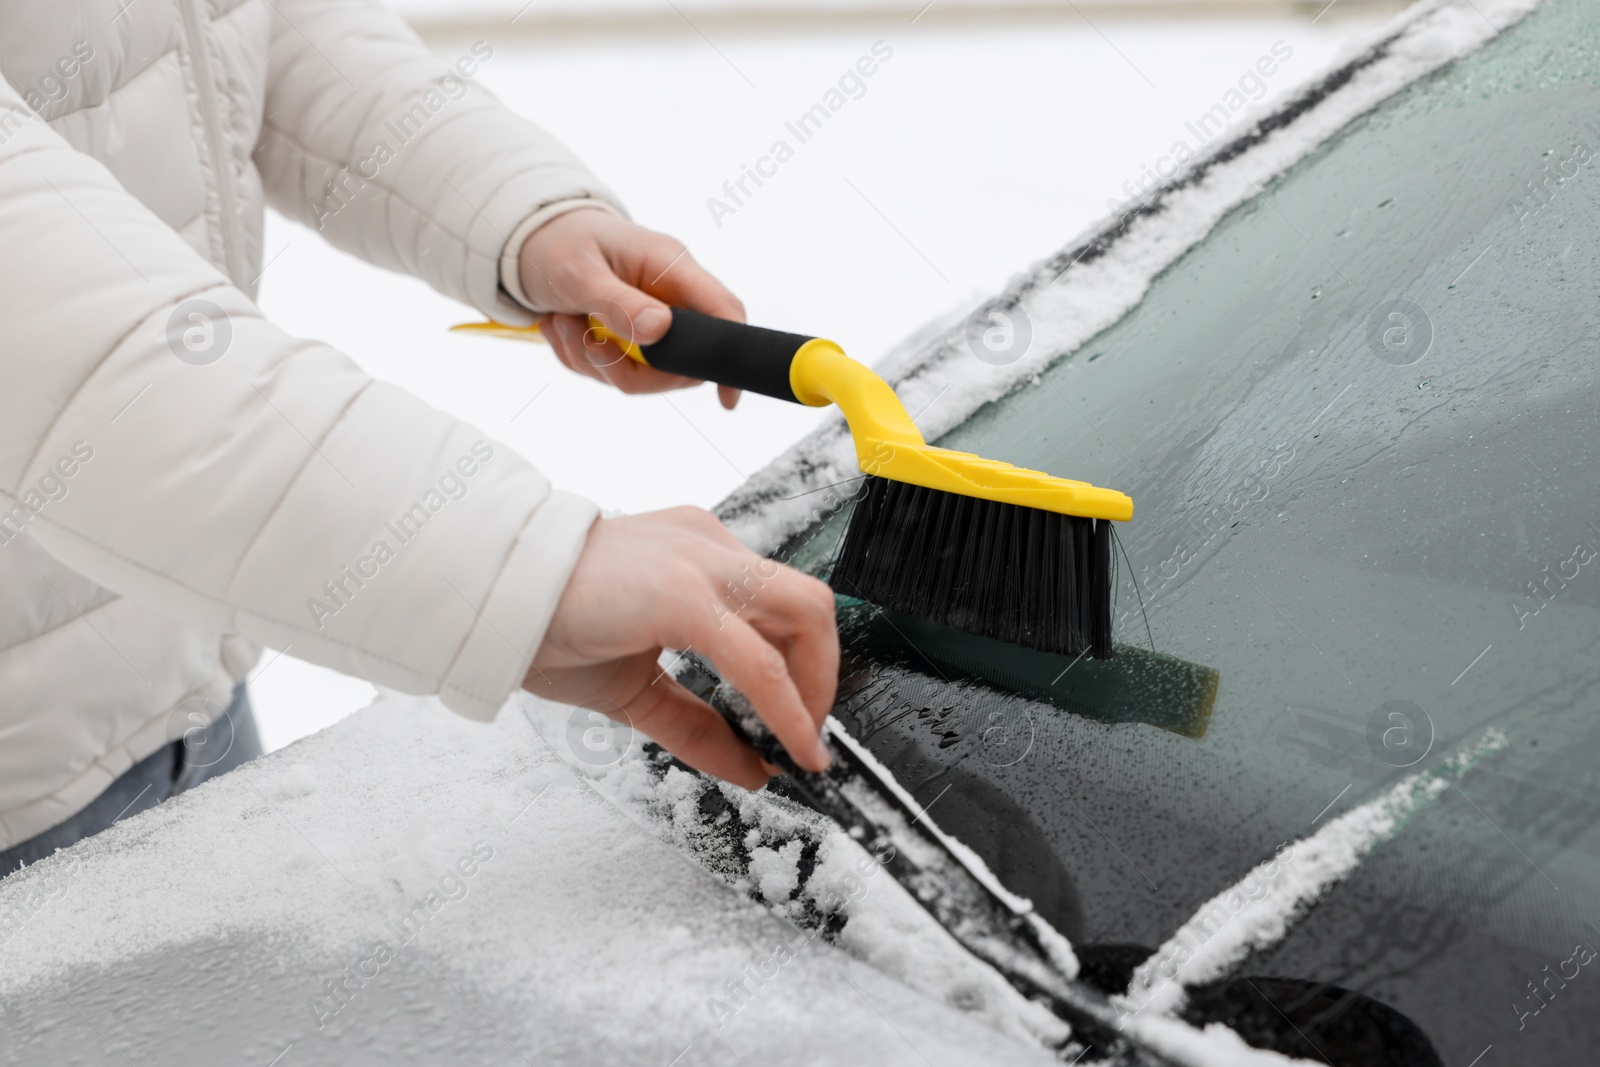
[
  {"x": 593, "y": 262},
  {"x": 678, "y": 579}
]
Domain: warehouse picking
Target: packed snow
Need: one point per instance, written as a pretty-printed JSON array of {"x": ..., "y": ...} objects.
[
  {"x": 876, "y": 921},
  {"x": 410, "y": 887}
]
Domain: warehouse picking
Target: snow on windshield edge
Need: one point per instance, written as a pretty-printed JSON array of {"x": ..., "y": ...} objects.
[{"x": 1103, "y": 274}]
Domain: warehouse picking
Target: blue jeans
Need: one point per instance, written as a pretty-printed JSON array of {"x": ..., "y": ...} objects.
[{"x": 200, "y": 755}]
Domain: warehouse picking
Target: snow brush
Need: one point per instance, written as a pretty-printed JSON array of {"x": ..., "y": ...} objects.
[{"x": 995, "y": 550}]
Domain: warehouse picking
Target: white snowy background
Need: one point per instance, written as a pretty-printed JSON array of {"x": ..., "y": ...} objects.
[{"x": 982, "y": 145}]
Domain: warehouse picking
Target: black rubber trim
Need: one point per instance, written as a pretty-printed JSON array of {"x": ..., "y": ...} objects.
[{"x": 728, "y": 353}]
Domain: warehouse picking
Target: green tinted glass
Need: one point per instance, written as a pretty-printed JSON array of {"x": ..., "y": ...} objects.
[{"x": 1359, "y": 422}]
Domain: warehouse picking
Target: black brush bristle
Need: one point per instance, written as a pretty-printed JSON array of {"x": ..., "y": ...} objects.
[{"x": 1017, "y": 574}]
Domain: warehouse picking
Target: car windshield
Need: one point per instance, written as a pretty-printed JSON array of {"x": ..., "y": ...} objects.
[{"x": 1358, "y": 421}]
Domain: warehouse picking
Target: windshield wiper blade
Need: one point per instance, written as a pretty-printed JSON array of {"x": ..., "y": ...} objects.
[{"x": 949, "y": 881}]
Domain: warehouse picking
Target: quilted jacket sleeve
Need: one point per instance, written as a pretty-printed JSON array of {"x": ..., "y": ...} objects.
[
  {"x": 158, "y": 435},
  {"x": 402, "y": 157}
]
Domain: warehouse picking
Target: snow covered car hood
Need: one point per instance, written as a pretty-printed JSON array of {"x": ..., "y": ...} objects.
[{"x": 408, "y": 887}]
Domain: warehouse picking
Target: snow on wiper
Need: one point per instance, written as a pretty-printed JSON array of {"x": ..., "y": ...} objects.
[
  {"x": 961, "y": 894},
  {"x": 1262, "y": 907}
]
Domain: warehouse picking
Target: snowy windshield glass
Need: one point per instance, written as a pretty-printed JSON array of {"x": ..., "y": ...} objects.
[{"x": 1358, "y": 421}]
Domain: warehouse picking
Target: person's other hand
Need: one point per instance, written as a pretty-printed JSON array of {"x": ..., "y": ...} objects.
[
  {"x": 593, "y": 262},
  {"x": 678, "y": 579}
]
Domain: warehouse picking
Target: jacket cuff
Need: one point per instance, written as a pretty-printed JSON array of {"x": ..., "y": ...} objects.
[
  {"x": 491, "y": 231},
  {"x": 513, "y": 619},
  {"x": 511, "y": 255}
]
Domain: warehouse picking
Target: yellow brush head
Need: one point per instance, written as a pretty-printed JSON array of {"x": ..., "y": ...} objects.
[{"x": 889, "y": 445}]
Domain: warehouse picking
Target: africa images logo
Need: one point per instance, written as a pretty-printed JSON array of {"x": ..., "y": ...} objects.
[
  {"x": 1399, "y": 332},
  {"x": 199, "y": 332}
]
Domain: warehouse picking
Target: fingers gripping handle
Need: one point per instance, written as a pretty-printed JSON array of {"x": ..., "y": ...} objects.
[{"x": 728, "y": 353}]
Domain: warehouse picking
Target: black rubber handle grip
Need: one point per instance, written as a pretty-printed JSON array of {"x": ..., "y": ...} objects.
[{"x": 728, "y": 353}]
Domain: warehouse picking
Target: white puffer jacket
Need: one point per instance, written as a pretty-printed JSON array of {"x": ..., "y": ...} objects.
[{"x": 181, "y": 481}]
